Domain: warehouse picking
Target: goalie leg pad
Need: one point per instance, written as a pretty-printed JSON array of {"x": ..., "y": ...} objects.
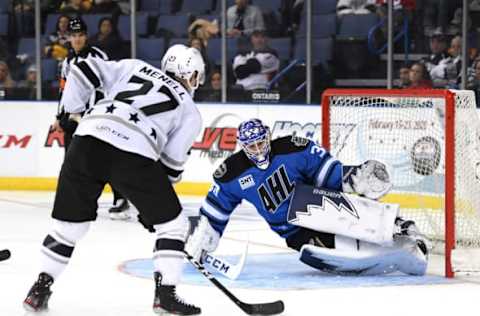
[
  {"x": 353, "y": 257},
  {"x": 343, "y": 214}
]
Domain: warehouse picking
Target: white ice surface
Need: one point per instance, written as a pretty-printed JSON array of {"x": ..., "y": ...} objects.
[{"x": 92, "y": 284}]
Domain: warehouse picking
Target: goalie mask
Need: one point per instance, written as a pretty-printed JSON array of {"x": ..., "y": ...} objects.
[
  {"x": 184, "y": 63},
  {"x": 254, "y": 138}
]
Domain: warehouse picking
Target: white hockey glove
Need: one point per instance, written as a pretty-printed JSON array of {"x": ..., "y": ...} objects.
[
  {"x": 204, "y": 239},
  {"x": 370, "y": 179}
]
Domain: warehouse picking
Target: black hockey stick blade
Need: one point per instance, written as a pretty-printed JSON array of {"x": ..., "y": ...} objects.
[
  {"x": 4, "y": 254},
  {"x": 272, "y": 308}
]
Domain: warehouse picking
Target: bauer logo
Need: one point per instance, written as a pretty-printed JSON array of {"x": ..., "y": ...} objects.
[{"x": 246, "y": 182}]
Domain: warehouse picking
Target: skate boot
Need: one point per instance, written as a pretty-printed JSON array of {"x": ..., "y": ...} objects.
[
  {"x": 119, "y": 210},
  {"x": 37, "y": 298},
  {"x": 408, "y": 228},
  {"x": 167, "y": 302}
]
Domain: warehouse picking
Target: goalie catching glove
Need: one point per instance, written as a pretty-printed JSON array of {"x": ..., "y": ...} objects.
[
  {"x": 204, "y": 239},
  {"x": 370, "y": 179}
]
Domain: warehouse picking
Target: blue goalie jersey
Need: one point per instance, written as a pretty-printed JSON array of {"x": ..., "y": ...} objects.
[{"x": 292, "y": 160}]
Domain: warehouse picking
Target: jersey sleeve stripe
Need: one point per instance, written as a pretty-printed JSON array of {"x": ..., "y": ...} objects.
[
  {"x": 88, "y": 72},
  {"x": 217, "y": 205},
  {"x": 214, "y": 212},
  {"x": 100, "y": 52},
  {"x": 170, "y": 162},
  {"x": 81, "y": 78},
  {"x": 328, "y": 177},
  {"x": 324, "y": 171}
]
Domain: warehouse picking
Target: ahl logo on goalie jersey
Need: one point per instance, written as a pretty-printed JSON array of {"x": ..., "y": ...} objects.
[{"x": 279, "y": 189}]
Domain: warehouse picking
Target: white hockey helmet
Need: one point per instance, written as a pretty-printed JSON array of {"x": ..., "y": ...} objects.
[{"x": 184, "y": 62}]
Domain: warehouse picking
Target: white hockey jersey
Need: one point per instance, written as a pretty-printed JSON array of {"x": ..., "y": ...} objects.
[{"x": 144, "y": 111}]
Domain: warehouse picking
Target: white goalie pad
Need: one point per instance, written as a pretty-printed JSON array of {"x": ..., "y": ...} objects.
[
  {"x": 367, "y": 259},
  {"x": 343, "y": 214}
]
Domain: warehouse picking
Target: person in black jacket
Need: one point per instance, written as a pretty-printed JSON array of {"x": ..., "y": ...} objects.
[{"x": 80, "y": 51}]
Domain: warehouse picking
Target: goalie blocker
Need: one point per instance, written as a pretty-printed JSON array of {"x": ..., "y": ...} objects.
[{"x": 366, "y": 239}]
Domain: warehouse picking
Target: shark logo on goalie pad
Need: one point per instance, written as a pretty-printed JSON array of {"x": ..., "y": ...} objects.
[
  {"x": 336, "y": 199},
  {"x": 308, "y": 199}
]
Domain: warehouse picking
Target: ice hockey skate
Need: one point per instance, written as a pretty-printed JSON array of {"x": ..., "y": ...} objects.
[
  {"x": 37, "y": 298},
  {"x": 166, "y": 301},
  {"x": 119, "y": 211}
]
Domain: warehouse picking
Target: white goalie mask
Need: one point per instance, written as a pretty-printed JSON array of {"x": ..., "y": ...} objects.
[{"x": 184, "y": 63}]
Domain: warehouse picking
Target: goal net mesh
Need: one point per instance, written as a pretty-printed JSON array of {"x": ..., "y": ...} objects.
[{"x": 408, "y": 134}]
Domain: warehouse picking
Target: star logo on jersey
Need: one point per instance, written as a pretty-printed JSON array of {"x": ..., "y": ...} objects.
[
  {"x": 111, "y": 108},
  {"x": 134, "y": 118},
  {"x": 153, "y": 134}
]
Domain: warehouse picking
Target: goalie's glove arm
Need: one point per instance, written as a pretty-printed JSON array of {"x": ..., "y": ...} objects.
[{"x": 371, "y": 179}]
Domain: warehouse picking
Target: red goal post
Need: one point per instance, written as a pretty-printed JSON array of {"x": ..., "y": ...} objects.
[{"x": 420, "y": 134}]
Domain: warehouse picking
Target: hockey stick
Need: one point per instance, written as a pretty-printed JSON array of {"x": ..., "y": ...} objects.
[
  {"x": 224, "y": 267},
  {"x": 272, "y": 308},
  {"x": 4, "y": 254}
]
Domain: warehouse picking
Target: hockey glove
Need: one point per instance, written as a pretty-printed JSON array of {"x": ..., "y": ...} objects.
[
  {"x": 204, "y": 239},
  {"x": 370, "y": 179}
]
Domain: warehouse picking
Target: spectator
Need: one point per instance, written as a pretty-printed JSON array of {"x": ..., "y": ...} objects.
[
  {"x": 203, "y": 29},
  {"x": 107, "y": 6},
  {"x": 6, "y": 80},
  {"x": 243, "y": 19},
  {"x": 355, "y": 7},
  {"x": 438, "y": 50},
  {"x": 437, "y": 14},
  {"x": 76, "y": 7},
  {"x": 419, "y": 77},
  {"x": 291, "y": 12},
  {"x": 213, "y": 92},
  {"x": 404, "y": 76},
  {"x": 57, "y": 42},
  {"x": 108, "y": 39},
  {"x": 449, "y": 68},
  {"x": 30, "y": 83},
  {"x": 198, "y": 44},
  {"x": 254, "y": 69},
  {"x": 474, "y": 80},
  {"x": 23, "y": 14}
]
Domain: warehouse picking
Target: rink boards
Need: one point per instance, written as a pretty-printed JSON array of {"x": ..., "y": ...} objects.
[{"x": 31, "y": 154}]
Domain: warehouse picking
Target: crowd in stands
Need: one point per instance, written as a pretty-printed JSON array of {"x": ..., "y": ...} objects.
[{"x": 264, "y": 37}]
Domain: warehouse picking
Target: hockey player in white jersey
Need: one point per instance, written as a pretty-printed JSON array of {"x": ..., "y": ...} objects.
[
  {"x": 305, "y": 195},
  {"x": 137, "y": 139}
]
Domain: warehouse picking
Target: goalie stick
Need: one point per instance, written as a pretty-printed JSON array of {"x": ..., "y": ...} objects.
[
  {"x": 272, "y": 308},
  {"x": 4, "y": 254}
]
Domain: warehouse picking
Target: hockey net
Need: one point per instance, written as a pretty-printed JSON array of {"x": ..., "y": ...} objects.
[{"x": 430, "y": 139}]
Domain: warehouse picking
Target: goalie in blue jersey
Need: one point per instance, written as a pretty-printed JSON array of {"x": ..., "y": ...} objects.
[{"x": 325, "y": 210}]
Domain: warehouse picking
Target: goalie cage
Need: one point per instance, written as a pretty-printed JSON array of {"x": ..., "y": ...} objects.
[{"x": 430, "y": 139}]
